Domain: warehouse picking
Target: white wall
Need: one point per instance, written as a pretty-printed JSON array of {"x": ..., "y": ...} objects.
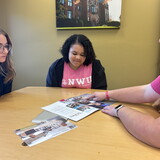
[
  {"x": 2, "y": 14},
  {"x": 31, "y": 24},
  {"x": 129, "y": 54}
]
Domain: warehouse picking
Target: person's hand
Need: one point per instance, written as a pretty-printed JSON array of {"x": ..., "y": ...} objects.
[
  {"x": 97, "y": 96},
  {"x": 156, "y": 105},
  {"x": 110, "y": 110}
]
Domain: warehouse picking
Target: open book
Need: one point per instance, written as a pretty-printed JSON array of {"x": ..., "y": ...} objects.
[
  {"x": 76, "y": 108},
  {"x": 44, "y": 130}
]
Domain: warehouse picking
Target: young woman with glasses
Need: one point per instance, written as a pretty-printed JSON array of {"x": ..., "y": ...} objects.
[{"x": 7, "y": 72}]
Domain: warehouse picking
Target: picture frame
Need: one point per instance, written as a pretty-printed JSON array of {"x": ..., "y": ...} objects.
[{"x": 88, "y": 14}]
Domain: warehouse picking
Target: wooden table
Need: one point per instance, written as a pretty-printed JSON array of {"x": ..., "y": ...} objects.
[{"x": 98, "y": 136}]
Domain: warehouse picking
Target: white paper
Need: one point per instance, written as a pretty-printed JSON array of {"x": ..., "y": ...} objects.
[{"x": 74, "y": 114}]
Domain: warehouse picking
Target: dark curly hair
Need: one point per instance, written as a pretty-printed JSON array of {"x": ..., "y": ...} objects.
[{"x": 82, "y": 40}]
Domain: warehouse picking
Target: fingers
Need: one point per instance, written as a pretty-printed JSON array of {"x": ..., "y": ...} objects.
[
  {"x": 156, "y": 105},
  {"x": 90, "y": 97},
  {"x": 95, "y": 99},
  {"x": 97, "y": 96},
  {"x": 109, "y": 110},
  {"x": 105, "y": 110}
]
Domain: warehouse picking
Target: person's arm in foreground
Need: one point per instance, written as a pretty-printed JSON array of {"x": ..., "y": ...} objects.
[
  {"x": 156, "y": 105},
  {"x": 142, "y": 126},
  {"x": 137, "y": 94}
]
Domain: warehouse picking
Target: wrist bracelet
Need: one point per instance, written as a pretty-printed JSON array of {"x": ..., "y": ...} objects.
[
  {"x": 107, "y": 96},
  {"x": 117, "y": 108}
]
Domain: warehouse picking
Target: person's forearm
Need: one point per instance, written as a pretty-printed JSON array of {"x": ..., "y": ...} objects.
[
  {"x": 131, "y": 94},
  {"x": 137, "y": 94},
  {"x": 142, "y": 126}
]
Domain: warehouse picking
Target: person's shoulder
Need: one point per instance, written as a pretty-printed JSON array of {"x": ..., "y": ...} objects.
[
  {"x": 156, "y": 80},
  {"x": 60, "y": 60},
  {"x": 97, "y": 62},
  {"x": 57, "y": 62},
  {"x": 97, "y": 66},
  {"x": 158, "y": 77},
  {"x": 1, "y": 77}
]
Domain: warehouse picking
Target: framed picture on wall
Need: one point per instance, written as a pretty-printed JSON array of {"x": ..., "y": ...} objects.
[{"x": 86, "y": 14}]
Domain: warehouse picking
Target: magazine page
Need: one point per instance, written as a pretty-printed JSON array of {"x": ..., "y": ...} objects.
[
  {"x": 43, "y": 131},
  {"x": 97, "y": 104},
  {"x": 44, "y": 115},
  {"x": 76, "y": 108},
  {"x": 70, "y": 110}
]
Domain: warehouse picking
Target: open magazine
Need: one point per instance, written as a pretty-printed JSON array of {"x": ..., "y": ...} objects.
[
  {"x": 44, "y": 130},
  {"x": 76, "y": 108}
]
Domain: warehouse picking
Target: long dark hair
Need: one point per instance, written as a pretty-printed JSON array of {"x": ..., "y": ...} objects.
[
  {"x": 82, "y": 40},
  {"x": 6, "y": 68}
]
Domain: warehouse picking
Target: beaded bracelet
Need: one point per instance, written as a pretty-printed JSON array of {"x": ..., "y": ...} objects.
[{"x": 107, "y": 96}]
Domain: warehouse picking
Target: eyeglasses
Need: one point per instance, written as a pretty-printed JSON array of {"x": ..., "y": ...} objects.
[{"x": 8, "y": 47}]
